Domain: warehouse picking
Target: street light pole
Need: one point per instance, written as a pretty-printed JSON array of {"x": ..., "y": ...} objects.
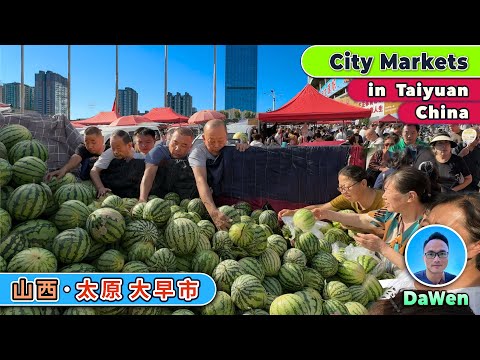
[{"x": 273, "y": 99}]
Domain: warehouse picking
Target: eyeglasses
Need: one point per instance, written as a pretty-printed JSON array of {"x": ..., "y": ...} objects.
[
  {"x": 440, "y": 254},
  {"x": 346, "y": 188}
]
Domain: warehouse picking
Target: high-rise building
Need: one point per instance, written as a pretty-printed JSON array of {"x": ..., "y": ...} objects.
[
  {"x": 127, "y": 102},
  {"x": 179, "y": 103},
  {"x": 11, "y": 95},
  {"x": 241, "y": 77},
  {"x": 2, "y": 100},
  {"x": 50, "y": 93}
]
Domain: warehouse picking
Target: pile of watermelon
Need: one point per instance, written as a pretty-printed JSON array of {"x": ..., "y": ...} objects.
[{"x": 60, "y": 226}]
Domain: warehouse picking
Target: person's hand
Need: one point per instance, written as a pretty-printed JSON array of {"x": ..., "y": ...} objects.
[
  {"x": 242, "y": 147},
  {"x": 320, "y": 214},
  {"x": 285, "y": 212},
  {"x": 58, "y": 173},
  {"x": 102, "y": 191},
  {"x": 370, "y": 241},
  {"x": 221, "y": 221},
  {"x": 142, "y": 200}
]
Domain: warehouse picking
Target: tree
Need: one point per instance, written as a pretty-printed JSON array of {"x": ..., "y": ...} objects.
[
  {"x": 224, "y": 113},
  {"x": 238, "y": 114}
]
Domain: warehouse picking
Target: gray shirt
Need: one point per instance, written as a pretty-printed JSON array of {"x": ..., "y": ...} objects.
[
  {"x": 199, "y": 156},
  {"x": 107, "y": 156}
]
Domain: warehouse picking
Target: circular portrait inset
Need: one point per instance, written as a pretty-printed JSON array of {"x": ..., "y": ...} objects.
[{"x": 436, "y": 255}]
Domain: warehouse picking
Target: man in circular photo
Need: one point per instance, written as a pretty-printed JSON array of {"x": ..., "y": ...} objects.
[{"x": 435, "y": 256}]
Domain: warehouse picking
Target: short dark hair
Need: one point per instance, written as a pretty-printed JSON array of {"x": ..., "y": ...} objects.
[
  {"x": 122, "y": 134},
  {"x": 184, "y": 131},
  {"x": 435, "y": 236},
  {"x": 354, "y": 172},
  {"x": 92, "y": 130},
  {"x": 144, "y": 131}
]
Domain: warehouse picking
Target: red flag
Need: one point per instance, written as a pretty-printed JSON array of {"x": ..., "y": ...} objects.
[{"x": 114, "y": 107}]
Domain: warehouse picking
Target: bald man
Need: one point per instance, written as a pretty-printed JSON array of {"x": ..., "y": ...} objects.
[
  {"x": 214, "y": 140},
  {"x": 375, "y": 143}
]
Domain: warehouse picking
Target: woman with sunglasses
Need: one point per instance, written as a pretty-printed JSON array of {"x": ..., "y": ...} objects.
[
  {"x": 354, "y": 194},
  {"x": 387, "y": 230}
]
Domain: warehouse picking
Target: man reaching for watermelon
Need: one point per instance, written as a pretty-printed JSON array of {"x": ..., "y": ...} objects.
[{"x": 214, "y": 140}]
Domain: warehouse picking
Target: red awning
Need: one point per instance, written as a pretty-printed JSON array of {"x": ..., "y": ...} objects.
[
  {"x": 388, "y": 119},
  {"x": 165, "y": 115},
  {"x": 311, "y": 106},
  {"x": 102, "y": 118},
  {"x": 129, "y": 120}
]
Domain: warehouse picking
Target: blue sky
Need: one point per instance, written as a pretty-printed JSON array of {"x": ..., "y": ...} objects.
[
  {"x": 141, "y": 67},
  {"x": 414, "y": 250}
]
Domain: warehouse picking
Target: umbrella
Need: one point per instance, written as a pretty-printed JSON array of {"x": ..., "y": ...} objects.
[
  {"x": 165, "y": 115},
  {"x": 129, "y": 120},
  {"x": 203, "y": 116}
]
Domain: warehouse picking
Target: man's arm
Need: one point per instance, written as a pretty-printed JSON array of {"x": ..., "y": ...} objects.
[
  {"x": 95, "y": 177},
  {"x": 288, "y": 212},
  {"x": 221, "y": 221},
  {"x": 72, "y": 163},
  {"x": 147, "y": 181}
]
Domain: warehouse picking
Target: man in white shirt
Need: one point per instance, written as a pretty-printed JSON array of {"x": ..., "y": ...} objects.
[
  {"x": 375, "y": 143},
  {"x": 121, "y": 147}
]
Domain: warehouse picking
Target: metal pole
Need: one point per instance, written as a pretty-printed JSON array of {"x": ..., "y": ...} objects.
[
  {"x": 166, "y": 76},
  {"x": 116, "y": 81},
  {"x": 273, "y": 99},
  {"x": 214, "y": 77},
  {"x": 22, "y": 85},
  {"x": 68, "y": 84}
]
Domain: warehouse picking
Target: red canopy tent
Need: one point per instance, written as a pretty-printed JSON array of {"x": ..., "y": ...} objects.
[
  {"x": 102, "y": 118},
  {"x": 311, "y": 106},
  {"x": 388, "y": 119},
  {"x": 165, "y": 115},
  {"x": 129, "y": 120}
]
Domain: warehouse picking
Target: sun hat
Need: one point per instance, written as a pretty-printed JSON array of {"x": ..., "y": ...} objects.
[{"x": 443, "y": 137}]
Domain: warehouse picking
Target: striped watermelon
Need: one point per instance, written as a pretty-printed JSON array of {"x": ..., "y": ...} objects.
[
  {"x": 142, "y": 310},
  {"x": 291, "y": 277},
  {"x": 325, "y": 264},
  {"x": 3, "y": 151},
  {"x": 54, "y": 183},
  {"x": 259, "y": 243},
  {"x": 359, "y": 294},
  {"x": 225, "y": 274},
  {"x": 308, "y": 243},
  {"x": 105, "y": 225},
  {"x": 21, "y": 310},
  {"x": 173, "y": 197},
  {"x": 110, "y": 261},
  {"x": 3, "y": 265},
  {"x": 333, "y": 235},
  {"x": 72, "y": 245},
  {"x": 373, "y": 287},
  {"x": 33, "y": 260},
  {"x": 313, "y": 279},
  {"x": 197, "y": 206},
  {"x": 181, "y": 235},
  {"x": 175, "y": 208},
  {"x": 355, "y": 308},
  {"x": 24, "y": 148},
  {"x": 248, "y": 293},
  {"x": 183, "y": 312},
  {"x": 222, "y": 304},
  {"x": 14, "y": 133},
  {"x": 221, "y": 241},
  {"x": 137, "y": 211},
  {"x": 277, "y": 243},
  {"x": 5, "y": 192},
  {"x": 71, "y": 214},
  {"x": 184, "y": 204},
  {"x": 162, "y": 260},
  {"x": 246, "y": 219},
  {"x": 129, "y": 203},
  {"x": 253, "y": 267},
  {"x": 256, "y": 312},
  {"x": 289, "y": 304},
  {"x": 368, "y": 262},
  {"x": 334, "y": 307},
  {"x": 141, "y": 251},
  {"x": 272, "y": 285},
  {"x": 12, "y": 244},
  {"x": 351, "y": 272},
  {"x": 203, "y": 243},
  {"x": 241, "y": 234},
  {"x": 5, "y": 223},
  {"x": 183, "y": 263},
  {"x": 28, "y": 169},
  {"x": 6, "y": 172},
  {"x": 78, "y": 268},
  {"x": 206, "y": 227},
  {"x": 139, "y": 231},
  {"x": 230, "y": 212},
  {"x": 115, "y": 202},
  {"x": 38, "y": 232},
  {"x": 267, "y": 229},
  {"x": 325, "y": 245},
  {"x": 205, "y": 261},
  {"x": 110, "y": 310},
  {"x": 270, "y": 261},
  {"x": 312, "y": 299},
  {"x": 135, "y": 267},
  {"x": 270, "y": 298},
  {"x": 255, "y": 215},
  {"x": 295, "y": 256},
  {"x": 270, "y": 218},
  {"x": 27, "y": 202},
  {"x": 158, "y": 211},
  {"x": 337, "y": 290},
  {"x": 74, "y": 191},
  {"x": 96, "y": 250},
  {"x": 243, "y": 208},
  {"x": 303, "y": 219},
  {"x": 80, "y": 310}
]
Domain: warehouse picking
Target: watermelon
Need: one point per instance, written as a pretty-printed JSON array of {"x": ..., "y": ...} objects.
[
  {"x": 105, "y": 225},
  {"x": 158, "y": 211},
  {"x": 6, "y": 172},
  {"x": 255, "y": 312},
  {"x": 139, "y": 231},
  {"x": 54, "y": 183},
  {"x": 296, "y": 256},
  {"x": 33, "y": 260},
  {"x": 162, "y": 260},
  {"x": 78, "y": 267},
  {"x": 289, "y": 304},
  {"x": 141, "y": 251},
  {"x": 3, "y": 265},
  {"x": 38, "y": 232},
  {"x": 355, "y": 308},
  {"x": 142, "y": 310},
  {"x": 291, "y": 277},
  {"x": 333, "y": 235},
  {"x": 243, "y": 207},
  {"x": 241, "y": 234},
  {"x": 72, "y": 245},
  {"x": 110, "y": 261},
  {"x": 247, "y": 292},
  {"x": 5, "y": 192},
  {"x": 205, "y": 261},
  {"x": 270, "y": 218},
  {"x": 203, "y": 243},
  {"x": 351, "y": 272},
  {"x": 230, "y": 212},
  {"x": 253, "y": 267},
  {"x": 5, "y": 223},
  {"x": 372, "y": 286},
  {"x": 368, "y": 262},
  {"x": 181, "y": 235},
  {"x": 359, "y": 294},
  {"x": 334, "y": 307},
  {"x": 135, "y": 267},
  {"x": 27, "y": 202},
  {"x": 206, "y": 227},
  {"x": 137, "y": 211},
  {"x": 183, "y": 312},
  {"x": 221, "y": 241},
  {"x": 277, "y": 243},
  {"x": 71, "y": 214},
  {"x": 337, "y": 290},
  {"x": 28, "y": 148},
  {"x": 312, "y": 299},
  {"x": 304, "y": 219},
  {"x": 14, "y": 133},
  {"x": 12, "y": 244},
  {"x": 173, "y": 197},
  {"x": 28, "y": 169},
  {"x": 225, "y": 274},
  {"x": 255, "y": 215},
  {"x": 74, "y": 191},
  {"x": 3, "y": 151},
  {"x": 21, "y": 310},
  {"x": 270, "y": 261},
  {"x": 197, "y": 206},
  {"x": 313, "y": 279},
  {"x": 222, "y": 304},
  {"x": 272, "y": 285},
  {"x": 325, "y": 264},
  {"x": 80, "y": 310}
]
